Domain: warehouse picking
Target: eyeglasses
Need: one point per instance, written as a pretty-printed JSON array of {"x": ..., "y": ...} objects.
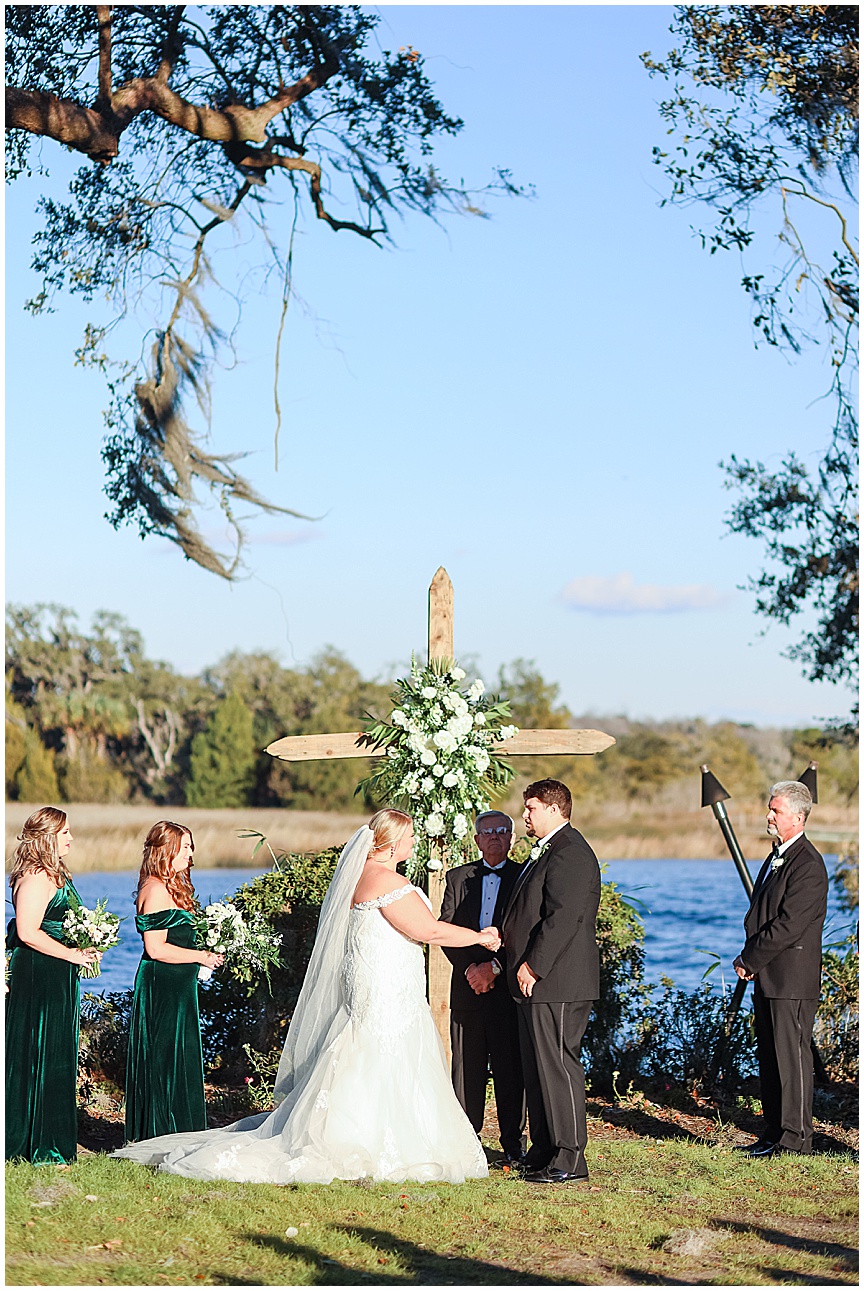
[{"x": 502, "y": 829}]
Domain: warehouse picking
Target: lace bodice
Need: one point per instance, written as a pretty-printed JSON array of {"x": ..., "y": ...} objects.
[{"x": 384, "y": 973}]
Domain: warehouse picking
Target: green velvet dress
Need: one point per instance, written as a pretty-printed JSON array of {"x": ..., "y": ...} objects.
[
  {"x": 42, "y": 1015},
  {"x": 165, "y": 1067}
]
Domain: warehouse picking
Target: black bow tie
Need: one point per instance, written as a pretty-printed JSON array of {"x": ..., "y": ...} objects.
[{"x": 492, "y": 869}]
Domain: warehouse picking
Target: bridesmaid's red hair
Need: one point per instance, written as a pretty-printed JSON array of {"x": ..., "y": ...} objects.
[{"x": 161, "y": 846}]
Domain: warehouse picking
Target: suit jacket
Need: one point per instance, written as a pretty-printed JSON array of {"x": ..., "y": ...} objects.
[
  {"x": 551, "y": 922},
  {"x": 463, "y": 898},
  {"x": 784, "y": 924}
]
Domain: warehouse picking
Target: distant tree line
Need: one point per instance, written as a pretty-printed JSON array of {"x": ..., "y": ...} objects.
[{"x": 90, "y": 718}]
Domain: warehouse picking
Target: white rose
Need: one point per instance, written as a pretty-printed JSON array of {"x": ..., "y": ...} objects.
[
  {"x": 475, "y": 690},
  {"x": 449, "y": 780},
  {"x": 458, "y": 674},
  {"x": 428, "y": 692},
  {"x": 507, "y": 732},
  {"x": 439, "y": 770},
  {"x": 427, "y": 784},
  {"x": 427, "y": 757},
  {"x": 479, "y": 719},
  {"x": 433, "y": 863},
  {"x": 434, "y": 824},
  {"x": 460, "y": 726},
  {"x": 460, "y": 825},
  {"x": 459, "y": 705},
  {"x": 398, "y": 718},
  {"x": 445, "y": 740},
  {"x": 417, "y": 742}
]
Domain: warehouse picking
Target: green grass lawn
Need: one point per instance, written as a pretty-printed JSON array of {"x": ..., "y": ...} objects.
[{"x": 784, "y": 1222}]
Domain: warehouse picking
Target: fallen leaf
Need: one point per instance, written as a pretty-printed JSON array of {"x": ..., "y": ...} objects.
[{"x": 91, "y": 1196}]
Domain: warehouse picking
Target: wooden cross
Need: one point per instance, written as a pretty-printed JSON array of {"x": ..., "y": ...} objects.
[{"x": 350, "y": 744}]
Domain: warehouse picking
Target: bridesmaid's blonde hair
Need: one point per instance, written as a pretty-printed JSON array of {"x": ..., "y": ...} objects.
[
  {"x": 37, "y": 847},
  {"x": 388, "y": 826}
]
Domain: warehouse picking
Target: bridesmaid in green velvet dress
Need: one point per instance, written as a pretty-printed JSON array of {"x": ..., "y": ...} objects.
[
  {"x": 165, "y": 1068},
  {"x": 43, "y": 1005}
]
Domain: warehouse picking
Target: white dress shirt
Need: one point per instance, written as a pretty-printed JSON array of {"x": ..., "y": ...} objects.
[{"x": 491, "y": 888}]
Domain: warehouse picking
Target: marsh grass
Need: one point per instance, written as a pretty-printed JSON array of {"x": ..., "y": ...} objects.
[
  {"x": 110, "y": 836},
  {"x": 111, "y": 1222}
]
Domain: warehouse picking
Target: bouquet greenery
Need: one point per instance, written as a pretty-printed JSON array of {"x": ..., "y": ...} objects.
[
  {"x": 440, "y": 761},
  {"x": 91, "y": 930},
  {"x": 248, "y": 944}
]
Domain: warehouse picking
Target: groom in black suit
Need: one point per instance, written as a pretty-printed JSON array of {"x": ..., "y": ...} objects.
[
  {"x": 783, "y": 957},
  {"x": 484, "y": 1032},
  {"x": 553, "y": 973}
]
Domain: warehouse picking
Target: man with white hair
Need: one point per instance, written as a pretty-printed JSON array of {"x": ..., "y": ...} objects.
[
  {"x": 783, "y": 957},
  {"x": 484, "y": 1029}
]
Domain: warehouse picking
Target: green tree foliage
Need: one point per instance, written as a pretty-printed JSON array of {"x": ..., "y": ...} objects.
[
  {"x": 763, "y": 113},
  {"x": 836, "y": 751},
  {"x": 534, "y": 702},
  {"x": 222, "y": 764},
  {"x": 36, "y": 780},
  {"x": 199, "y": 123}
]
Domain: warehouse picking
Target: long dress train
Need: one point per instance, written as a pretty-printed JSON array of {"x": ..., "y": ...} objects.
[
  {"x": 42, "y": 1017},
  {"x": 377, "y": 1103}
]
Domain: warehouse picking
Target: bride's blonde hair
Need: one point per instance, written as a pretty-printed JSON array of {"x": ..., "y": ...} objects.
[{"x": 388, "y": 826}]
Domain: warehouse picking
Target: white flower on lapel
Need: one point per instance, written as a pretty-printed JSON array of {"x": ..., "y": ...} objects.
[{"x": 535, "y": 851}]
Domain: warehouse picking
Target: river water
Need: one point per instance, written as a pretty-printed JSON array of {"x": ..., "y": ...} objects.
[{"x": 688, "y": 907}]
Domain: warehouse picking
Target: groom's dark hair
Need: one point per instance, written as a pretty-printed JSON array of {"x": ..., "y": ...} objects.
[{"x": 549, "y": 792}]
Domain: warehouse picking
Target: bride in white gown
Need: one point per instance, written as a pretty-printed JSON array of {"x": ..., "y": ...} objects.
[{"x": 363, "y": 1089}]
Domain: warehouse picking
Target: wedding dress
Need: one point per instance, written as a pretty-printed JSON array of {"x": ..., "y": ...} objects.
[{"x": 363, "y": 1080}]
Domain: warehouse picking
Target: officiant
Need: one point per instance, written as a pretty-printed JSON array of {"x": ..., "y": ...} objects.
[{"x": 484, "y": 1028}]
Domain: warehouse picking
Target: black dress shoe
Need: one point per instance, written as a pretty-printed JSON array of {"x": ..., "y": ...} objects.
[
  {"x": 551, "y": 1175},
  {"x": 771, "y": 1150},
  {"x": 778, "y": 1150},
  {"x": 759, "y": 1145}
]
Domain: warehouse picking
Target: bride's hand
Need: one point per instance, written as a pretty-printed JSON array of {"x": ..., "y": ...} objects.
[
  {"x": 490, "y": 939},
  {"x": 211, "y": 960}
]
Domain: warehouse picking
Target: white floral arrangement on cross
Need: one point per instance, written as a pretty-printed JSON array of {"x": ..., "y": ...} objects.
[{"x": 440, "y": 762}]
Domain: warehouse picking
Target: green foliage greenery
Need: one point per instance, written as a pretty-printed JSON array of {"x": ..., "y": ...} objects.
[
  {"x": 36, "y": 778},
  {"x": 89, "y": 709},
  {"x": 222, "y": 762},
  {"x": 175, "y": 161},
  {"x": 837, "y": 1022},
  {"x": 235, "y": 1012},
  {"x": 763, "y": 113}
]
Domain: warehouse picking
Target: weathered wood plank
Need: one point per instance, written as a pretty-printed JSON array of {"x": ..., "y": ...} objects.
[
  {"x": 441, "y": 616},
  {"x": 566, "y": 741},
  {"x": 347, "y": 744},
  {"x": 439, "y": 968},
  {"x": 309, "y": 748}
]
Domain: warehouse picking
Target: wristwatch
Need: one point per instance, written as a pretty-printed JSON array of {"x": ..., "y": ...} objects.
[{"x": 496, "y": 967}]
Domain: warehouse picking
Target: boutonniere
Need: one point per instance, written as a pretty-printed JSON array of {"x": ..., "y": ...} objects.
[
  {"x": 776, "y": 862},
  {"x": 535, "y": 852}
]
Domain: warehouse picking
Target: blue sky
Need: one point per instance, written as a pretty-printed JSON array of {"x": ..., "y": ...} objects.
[{"x": 537, "y": 401}]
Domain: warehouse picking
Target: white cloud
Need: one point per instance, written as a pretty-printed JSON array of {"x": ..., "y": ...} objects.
[{"x": 619, "y": 594}]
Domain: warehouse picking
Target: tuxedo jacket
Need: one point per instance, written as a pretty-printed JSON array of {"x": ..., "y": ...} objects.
[
  {"x": 550, "y": 922},
  {"x": 784, "y": 924},
  {"x": 463, "y": 898}
]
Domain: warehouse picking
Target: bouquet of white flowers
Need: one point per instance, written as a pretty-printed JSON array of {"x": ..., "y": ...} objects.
[
  {"x": 248, "y": 943},
  {"x": 442, "y": 745},
  {"x": 91, "y": 930}
]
